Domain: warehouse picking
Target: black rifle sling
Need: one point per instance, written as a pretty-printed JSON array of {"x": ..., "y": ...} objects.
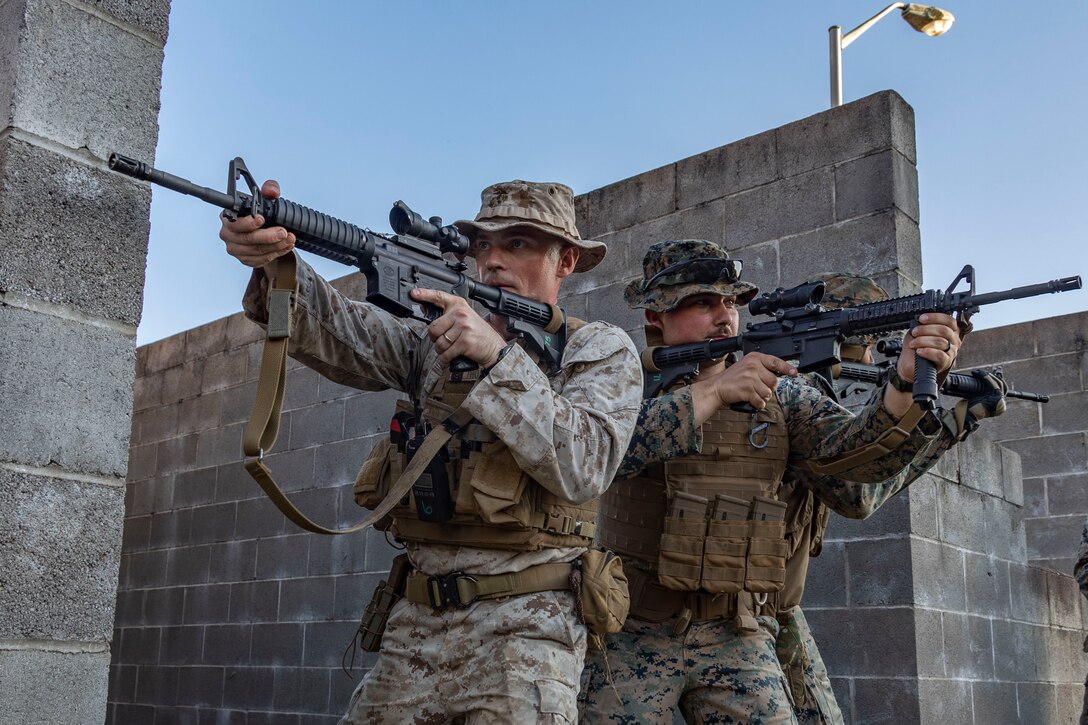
[{"x": 263, "y": 427}]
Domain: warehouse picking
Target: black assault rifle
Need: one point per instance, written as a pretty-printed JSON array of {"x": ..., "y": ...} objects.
[
  {"x": 957, "y": 385},
  {"x": 393, "y": 265},
  {"x": 802, "y": 330}
]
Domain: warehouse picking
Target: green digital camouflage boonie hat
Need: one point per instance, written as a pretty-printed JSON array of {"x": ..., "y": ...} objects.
[
  {"x": 847, "y": 290},
  {"x": 545, "y": 206},
  {"x": 679, "y": 268}
]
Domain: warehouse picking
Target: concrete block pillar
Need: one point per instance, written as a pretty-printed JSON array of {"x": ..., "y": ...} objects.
[{"x": 77, "y": 81}]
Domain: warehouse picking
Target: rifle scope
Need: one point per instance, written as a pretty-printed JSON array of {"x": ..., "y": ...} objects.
[
  {"x": 769, "y": 303},
  {"x": 405, "y": 221}
]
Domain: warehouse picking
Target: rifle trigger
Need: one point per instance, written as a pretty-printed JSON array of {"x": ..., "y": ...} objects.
[{"x": 756, "y": 430}]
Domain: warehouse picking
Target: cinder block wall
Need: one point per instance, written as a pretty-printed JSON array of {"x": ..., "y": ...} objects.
[
  {"x": 1045, "y": 356},
  {"x": 225, "y": 611},
  {"x": 928, "y": 611},
  {"x": 69, "y": 306},
  {"x": 225, "y": 608},
  {"x": 838, "y": 190}
]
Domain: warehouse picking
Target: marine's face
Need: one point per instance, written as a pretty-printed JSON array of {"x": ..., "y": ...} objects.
[
  {"x": 524, "y": 261},
  {"x": 705, "y": 316}
]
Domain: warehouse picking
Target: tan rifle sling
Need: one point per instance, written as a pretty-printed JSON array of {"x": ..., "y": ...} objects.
[
  {"x": 888, "y": 441},
  {"x": 264, "y": 424}
]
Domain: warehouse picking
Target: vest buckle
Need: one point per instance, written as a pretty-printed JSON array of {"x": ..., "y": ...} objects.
[{"x": 444, "y": 590}]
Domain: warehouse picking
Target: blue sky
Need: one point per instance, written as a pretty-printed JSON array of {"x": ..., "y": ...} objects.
[{"x": 352, "y": 105}]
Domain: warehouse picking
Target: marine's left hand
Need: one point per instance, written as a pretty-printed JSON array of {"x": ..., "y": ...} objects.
[
  {"x": 936, "y": 339},
  {"x": 991, "y": 402}
]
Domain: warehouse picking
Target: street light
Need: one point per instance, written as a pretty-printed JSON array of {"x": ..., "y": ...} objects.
[{"x": 923, "y": 18}]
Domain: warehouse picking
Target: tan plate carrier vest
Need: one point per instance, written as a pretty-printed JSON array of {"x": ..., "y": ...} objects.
[
  {"x": 496, "y": 505},
  {"x": 698, "y": 559}
]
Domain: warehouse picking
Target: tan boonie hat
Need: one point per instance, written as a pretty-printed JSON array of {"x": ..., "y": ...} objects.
[
  {"x": 544, "y": 206},
  {"x": 677, "y": 269}
]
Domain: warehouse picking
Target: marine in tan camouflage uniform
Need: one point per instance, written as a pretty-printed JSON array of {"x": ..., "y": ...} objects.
[
  {"x": 546, "y": 446},
  {"x": 1080, "y": 572},
  {"x": 705, "y": 642}
]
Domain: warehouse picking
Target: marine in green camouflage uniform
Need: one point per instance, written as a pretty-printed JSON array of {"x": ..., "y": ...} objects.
[
  {"x": 557, "y": 437},
  {"x": 842, "y": 289},
  {"x": 1080, "y": 572},
  {"x": 806, "y": 674},
  {"x": 714, "y": 656}
]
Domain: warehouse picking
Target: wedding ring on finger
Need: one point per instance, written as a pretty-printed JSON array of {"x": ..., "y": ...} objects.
[{"x": 448, "y": 338}]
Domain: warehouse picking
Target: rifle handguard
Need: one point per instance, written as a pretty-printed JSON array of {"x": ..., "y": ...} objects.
[{"x": 648, "y": 360}]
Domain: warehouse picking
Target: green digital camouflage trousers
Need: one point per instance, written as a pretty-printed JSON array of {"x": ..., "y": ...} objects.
[
  {"x": 813, "y": 699},
  {"x": 713, "y": 673},
  {"x": 515, "y": 660}
]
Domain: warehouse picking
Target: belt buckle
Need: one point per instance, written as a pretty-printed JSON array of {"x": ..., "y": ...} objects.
[{"x": 442, "y": 590}]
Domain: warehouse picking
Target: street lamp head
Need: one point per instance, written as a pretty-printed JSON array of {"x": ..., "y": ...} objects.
[
  {"x": 923, "y": 18},
  {"x": 928, "y": 19}
]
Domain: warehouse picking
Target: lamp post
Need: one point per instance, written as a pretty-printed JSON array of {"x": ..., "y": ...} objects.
[{"x": 923, "y": 18}]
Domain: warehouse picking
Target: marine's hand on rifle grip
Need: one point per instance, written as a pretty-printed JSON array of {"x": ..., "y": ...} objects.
[
  {"x": 751, "y": 381},
  {"x": 936, "y": 340},
  {"x": 250, "y": 242},
  {"x": 459, "y": 331}
]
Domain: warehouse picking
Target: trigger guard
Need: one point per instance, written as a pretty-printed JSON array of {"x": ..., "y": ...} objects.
[{"x": 429, "y": 312}]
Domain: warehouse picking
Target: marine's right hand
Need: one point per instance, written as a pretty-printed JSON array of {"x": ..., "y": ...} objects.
[
  {"x": 252, "y": 245},
  {"x": 752, "y": 380}
]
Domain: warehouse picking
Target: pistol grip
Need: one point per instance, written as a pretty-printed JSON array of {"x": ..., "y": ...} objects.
[
  {"x": 462, "y": 365},
  {"x": 925, "y": 383}
]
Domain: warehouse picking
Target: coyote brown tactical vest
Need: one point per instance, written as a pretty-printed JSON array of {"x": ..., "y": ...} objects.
[
  {"x": 806, "y": 521},
  {"x": 709, "y": 522},
  {"x": 496, "y": 505}
]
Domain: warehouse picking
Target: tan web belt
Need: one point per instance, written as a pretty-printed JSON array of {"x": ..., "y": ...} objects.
[{"x": 458, "y": 589}]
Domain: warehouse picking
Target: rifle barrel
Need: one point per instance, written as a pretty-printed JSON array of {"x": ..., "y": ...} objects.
[
  {"x": 145, "y": 172},
  {"x": 1065, "y": 284}
]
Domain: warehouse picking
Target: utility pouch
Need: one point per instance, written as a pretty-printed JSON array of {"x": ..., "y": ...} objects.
[
  {"x": 372, "y": 482},
  {"x": 601, "y": 591},
  {"x": 794, "y": 659},
  {"x": 726, "y": 548},
  {"x": 384, "y": 464},
  {"x": 498, "y": 487},
  {"x": 381, "y": 468},
  {"x": 387, "y": 593},
  {"x": 680, "y": 563},
  {"x": 766, "y": 566}
]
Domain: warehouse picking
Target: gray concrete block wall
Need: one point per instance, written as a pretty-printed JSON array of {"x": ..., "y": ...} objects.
[
  {"x": 226, "y": 612},
  {"x": 1045, "y": 356},
  {"x": 225, "y": 609},
  {"x": 986, "y": 636},
  {"x": 791, "y": 202},
  {"x": 68, "y": 315}
]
